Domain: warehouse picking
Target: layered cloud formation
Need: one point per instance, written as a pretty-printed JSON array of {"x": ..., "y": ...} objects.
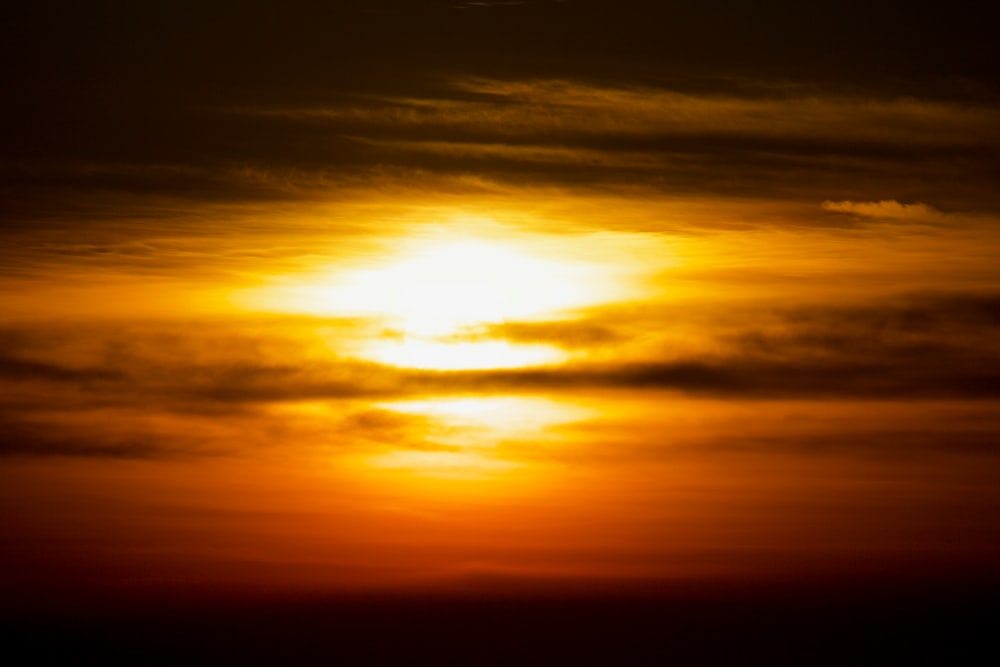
[{"x": 783, "y": 220}]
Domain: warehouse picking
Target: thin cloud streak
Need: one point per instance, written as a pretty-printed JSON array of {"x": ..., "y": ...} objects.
[
  {"x": 528, "y": 133},
  {"x": 573, "y": 111}
]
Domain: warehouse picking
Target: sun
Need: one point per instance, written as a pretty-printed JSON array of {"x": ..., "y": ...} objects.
[
  {"x": 440, "y": 300},
  {"x": 441, "y": 289},
  {"x": 442, "y": 297}
]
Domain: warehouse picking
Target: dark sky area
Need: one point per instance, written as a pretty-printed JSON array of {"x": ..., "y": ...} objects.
[{"x": 156, "y": 84}]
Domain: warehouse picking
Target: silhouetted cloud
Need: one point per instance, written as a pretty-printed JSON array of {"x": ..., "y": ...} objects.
[
  {"x": 798, "y": 144},
  {"x": 925, "y": 347}
]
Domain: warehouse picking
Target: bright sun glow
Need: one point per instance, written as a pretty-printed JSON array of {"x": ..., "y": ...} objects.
[
  {"x": 436, "y": 299},
  {"x": 443, "y": 289},
  {"x": 449, "y": 356},
  {"x": 501, "y": 416},
  {"x": 469, "y": 431}
]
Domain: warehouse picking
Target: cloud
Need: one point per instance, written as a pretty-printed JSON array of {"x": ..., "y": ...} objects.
[
  {"x": 925, "y": 345},
  {"x": 888, "y": 210},
  {"x": 201, "y": 386},
  {"x": 62, "y": 436},
  {"x": 763, "y": 142},
  {"x": 753, "y": 379},
  {"x": 563, "y": 333},
  {"x": 730, "y": 142},
  {"x": 564, "y": 110}
]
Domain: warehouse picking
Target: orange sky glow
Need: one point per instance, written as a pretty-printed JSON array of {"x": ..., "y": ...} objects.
[{"x": 496, "y": 299}]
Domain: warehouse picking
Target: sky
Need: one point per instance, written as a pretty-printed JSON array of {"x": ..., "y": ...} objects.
[{"x": 540, "y": 297}]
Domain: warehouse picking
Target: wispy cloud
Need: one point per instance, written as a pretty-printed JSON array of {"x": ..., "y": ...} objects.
[
  {"x": 657, "y": 136},
  {"x": 537, "y": 108},
  {"x": 730, "y": 142},
  {"x": 150, "y": 381},
  {"x": 887, "y": 210}
]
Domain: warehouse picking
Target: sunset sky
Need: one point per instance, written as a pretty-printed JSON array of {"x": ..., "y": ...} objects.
[{"x": 556, "y": 297}]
